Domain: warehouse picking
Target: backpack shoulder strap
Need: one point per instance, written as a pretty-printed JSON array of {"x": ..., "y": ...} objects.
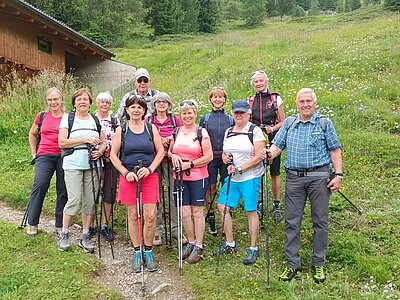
[
  {"x": 251, "y": 102},
  {"x": 323, "y": 120},
  {"x": 151, "y": 119},
  {"x": 274, "y": 99},
  {"x": 153, "y": 92},
  {"x": 114, "y": 123},
  {"x": 97, "y": 121},
  {"x": 199, "y": 134},
  {"x": 71, "y": 118},
  {"x": 149, "y": 129},
  {"x": 41, "y": 117},
  {"x": 205, "y": 121},
  {"x": 175, "y": 133},
  {"x": 173, "y": 119},
  {"x": 231, "y": 121},
  {"x": 290, "y": 121},
  {"x": 251, "y": 133}
]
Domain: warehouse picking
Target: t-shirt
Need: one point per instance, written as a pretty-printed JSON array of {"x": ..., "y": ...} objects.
[
  {"x": 243, "y": 150},
  {"x": 188, "y": 147},
  {"x": 79, "y": 160},
  {"x": 108, "y": 132},
  {"x": 49, "y": 134},
  {"x": 167, "y": 127}
]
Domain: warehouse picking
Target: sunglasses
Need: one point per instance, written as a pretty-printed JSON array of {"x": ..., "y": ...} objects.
[
  {"x": 187, "y": 102},
  {"x": 258, "y": 72},
  {"x": 218, "y": 88},
  {"x": 143, "y": 79}
]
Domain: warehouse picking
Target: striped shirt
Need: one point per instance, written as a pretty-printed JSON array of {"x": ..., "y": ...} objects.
[{"x": 306, "y": 144}]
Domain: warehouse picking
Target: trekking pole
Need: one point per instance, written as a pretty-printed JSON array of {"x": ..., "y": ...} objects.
[
  {"x": 223, "y": 216},
  {"x": 169, "y": 203},
  {"x": 179, "y": 185},
  {"x": 163, "y": 204},
  {"x": 352, "y": 204},
  {"x": 213, "y": 199},
  {"x": 267, "y": 257},
  {"x": 25, "y": 217},
  {"x": 139, "y": 207},
  {"x": 103, "y": 208}
]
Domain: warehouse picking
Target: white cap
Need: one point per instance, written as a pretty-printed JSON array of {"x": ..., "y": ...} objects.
[{"x": 141, "y": 72}]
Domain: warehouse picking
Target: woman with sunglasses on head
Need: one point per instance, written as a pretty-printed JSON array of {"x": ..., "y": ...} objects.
[
  {"x": 216, "y": 123},
  {"x": 142, "y": 152},
  {"x": 191, "y": 151},
  {"x": 166, "y": 122},
  {"x": 267, "y": 113},
  {"x": 43, "y": 140}
]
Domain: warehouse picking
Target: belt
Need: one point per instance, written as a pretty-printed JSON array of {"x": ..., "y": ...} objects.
[{"x": 317, "y": 171}]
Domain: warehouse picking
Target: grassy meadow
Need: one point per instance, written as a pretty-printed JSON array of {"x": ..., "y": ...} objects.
[{"x": 353, "y": 63}]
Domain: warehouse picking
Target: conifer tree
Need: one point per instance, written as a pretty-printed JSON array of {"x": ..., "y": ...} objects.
[
  {"x": 209, "y": 15},
  {"x": 254, "y": 12}
]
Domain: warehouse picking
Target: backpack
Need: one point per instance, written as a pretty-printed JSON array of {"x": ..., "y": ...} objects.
[
  {"x": 114, "y": 124},
  {"x": 323, "y": 120},
  {"x": 124, "y": 130},
  {"x": 171, "y": 116},
  {"x": 207, "y": 117},
  {"x": 250, "y": 133},
  {"x": 41, "y": 118},
  {"x": 71, "y": 118},
  {"x": 199, "y": 134}
]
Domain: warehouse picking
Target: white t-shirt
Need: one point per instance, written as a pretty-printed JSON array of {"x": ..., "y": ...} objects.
[
  {"x": 243, "y": 150},
  {"x": 79, "y": 160}
]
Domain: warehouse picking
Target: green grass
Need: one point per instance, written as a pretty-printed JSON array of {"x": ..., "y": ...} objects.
[{"x": 353, "y": 63}]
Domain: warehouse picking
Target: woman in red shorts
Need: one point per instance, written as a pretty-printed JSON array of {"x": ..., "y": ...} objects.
[{"x": 142, "y": 152}]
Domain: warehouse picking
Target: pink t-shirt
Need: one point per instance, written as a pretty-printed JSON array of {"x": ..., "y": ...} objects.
[
  {"x": 165, "y": 128},
  {"x": 188, "y": 147},
  {"x": 49, "y": 134}
]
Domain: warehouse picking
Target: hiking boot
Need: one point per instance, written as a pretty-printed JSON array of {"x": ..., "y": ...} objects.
[
  {"x": 107, "y": 233},
  {"x": 151, "y": 264},
  {"x": 211, "y": 225},
  {"x": 86, "y": 244},
  {"x": 31, "y": 230},
  {"x": 195, "y": 256},
  {"x": 319, "y": 274},
  {"x": 226, "y": 249},
  {"x": 277, "y": 212},
  {"x": 63, "y": 241},
  {"x": 187, "y": 251},
  {"x": 289, "y": 273},
  {"x": 251, "y": 256},
  {"x": 92, "y": 231},
  {"x": 137, "y": 262},
  {"x": 157, "y": 241}
]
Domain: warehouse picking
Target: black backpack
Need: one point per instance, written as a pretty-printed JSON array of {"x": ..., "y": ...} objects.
[
  {"x": 71, "y": 118},
  {"x": 199, "y": 134}
]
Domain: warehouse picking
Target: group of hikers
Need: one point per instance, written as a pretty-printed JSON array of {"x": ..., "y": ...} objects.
[{"x": 168, "y": 169}]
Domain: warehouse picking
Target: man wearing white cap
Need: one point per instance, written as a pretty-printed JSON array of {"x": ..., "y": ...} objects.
[{"x": 142, "y": 84}]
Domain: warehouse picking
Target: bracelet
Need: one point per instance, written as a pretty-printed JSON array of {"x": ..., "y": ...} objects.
[
  {"x": 148, "y": 168},
  {"x": 126, "y": 173}
]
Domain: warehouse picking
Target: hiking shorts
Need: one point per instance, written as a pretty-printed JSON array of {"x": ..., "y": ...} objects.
[
  {"x": 109, "y": 182},
  {"x": 214, "y": 167},
  {"x": 275, "y": 167},
  {"x": 194, "y": 192},
  {"x": 248, "y": 190},
  {"x": 127, "y": 190}
]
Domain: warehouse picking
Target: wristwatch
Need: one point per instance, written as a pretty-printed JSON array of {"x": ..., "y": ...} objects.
[
  {"x": 191, "y": 165},
  {"x": 339, "y": 175},
  {"x": 240, "y": 170}
]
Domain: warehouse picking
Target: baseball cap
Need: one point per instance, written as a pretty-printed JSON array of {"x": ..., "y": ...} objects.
[
  {"x": 240, "y": 105},
  {"x": 141, "y": 72}
]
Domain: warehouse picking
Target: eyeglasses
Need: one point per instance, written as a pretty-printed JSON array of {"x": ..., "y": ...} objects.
[
  {"x": 258, "y": 72},
  {"x": 218, "y": 88},
  {"x": 143, "y": 79},
  {"x": 187, "y": 102},
  {"x": 53, "y": 99}
]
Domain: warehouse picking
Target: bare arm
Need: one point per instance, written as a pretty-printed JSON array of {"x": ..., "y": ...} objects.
[
  {"x": 33, "y": 133},
  {"x": 273, "y": 152},
  {"x": 336, "y": 156}
]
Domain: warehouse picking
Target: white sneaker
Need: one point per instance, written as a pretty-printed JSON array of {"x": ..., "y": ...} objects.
[
  {"x": 32, "y": 230},
  {"x": 63, "y": 242},
  {"x": 86, "y": 244}
]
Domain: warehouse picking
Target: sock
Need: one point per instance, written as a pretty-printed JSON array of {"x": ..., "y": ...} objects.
[
  {"x": 254, "y": 248},
  {"x": 104, "y": 226},
  {"x": 85, "y": 231},
  {"x": 276, "y": 201},
  {"x": 231, "y": 244},
  {"x": 192, "y": 243},
  {"x": 148, "y": 248},
  {"x": 211, "y": 214},
  {"x": 137, "y": 249},
  {"x": 199, "y": 246},
  {"x": 65, "y": 230}
]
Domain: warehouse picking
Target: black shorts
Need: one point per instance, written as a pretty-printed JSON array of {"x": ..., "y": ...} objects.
[
  {"x": 275, "y": 167},
  {"x": 214, "y": 167},
  {"x": 109, "y": 182}
]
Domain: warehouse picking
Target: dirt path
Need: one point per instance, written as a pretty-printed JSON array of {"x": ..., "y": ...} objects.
[{"x": 117, "y": 273}]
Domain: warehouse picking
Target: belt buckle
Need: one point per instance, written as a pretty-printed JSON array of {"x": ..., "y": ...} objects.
[{"x": 301, "y": 173}]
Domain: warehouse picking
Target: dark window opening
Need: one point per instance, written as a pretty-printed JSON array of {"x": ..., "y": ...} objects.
[{"x": 44, "y": 44}]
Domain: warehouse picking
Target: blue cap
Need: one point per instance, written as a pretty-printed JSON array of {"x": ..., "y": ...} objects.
[{"x": 240, "y": 105}]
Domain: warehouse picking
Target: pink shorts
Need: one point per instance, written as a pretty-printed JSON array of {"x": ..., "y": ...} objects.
[{"x": 127, "y": 190}]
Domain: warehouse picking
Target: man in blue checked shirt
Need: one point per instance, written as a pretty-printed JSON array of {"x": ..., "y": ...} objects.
[{"x": 312, "y": 146}]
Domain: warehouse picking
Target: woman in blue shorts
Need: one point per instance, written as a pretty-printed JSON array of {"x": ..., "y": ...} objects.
[{"x": 243, "y": 154}]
